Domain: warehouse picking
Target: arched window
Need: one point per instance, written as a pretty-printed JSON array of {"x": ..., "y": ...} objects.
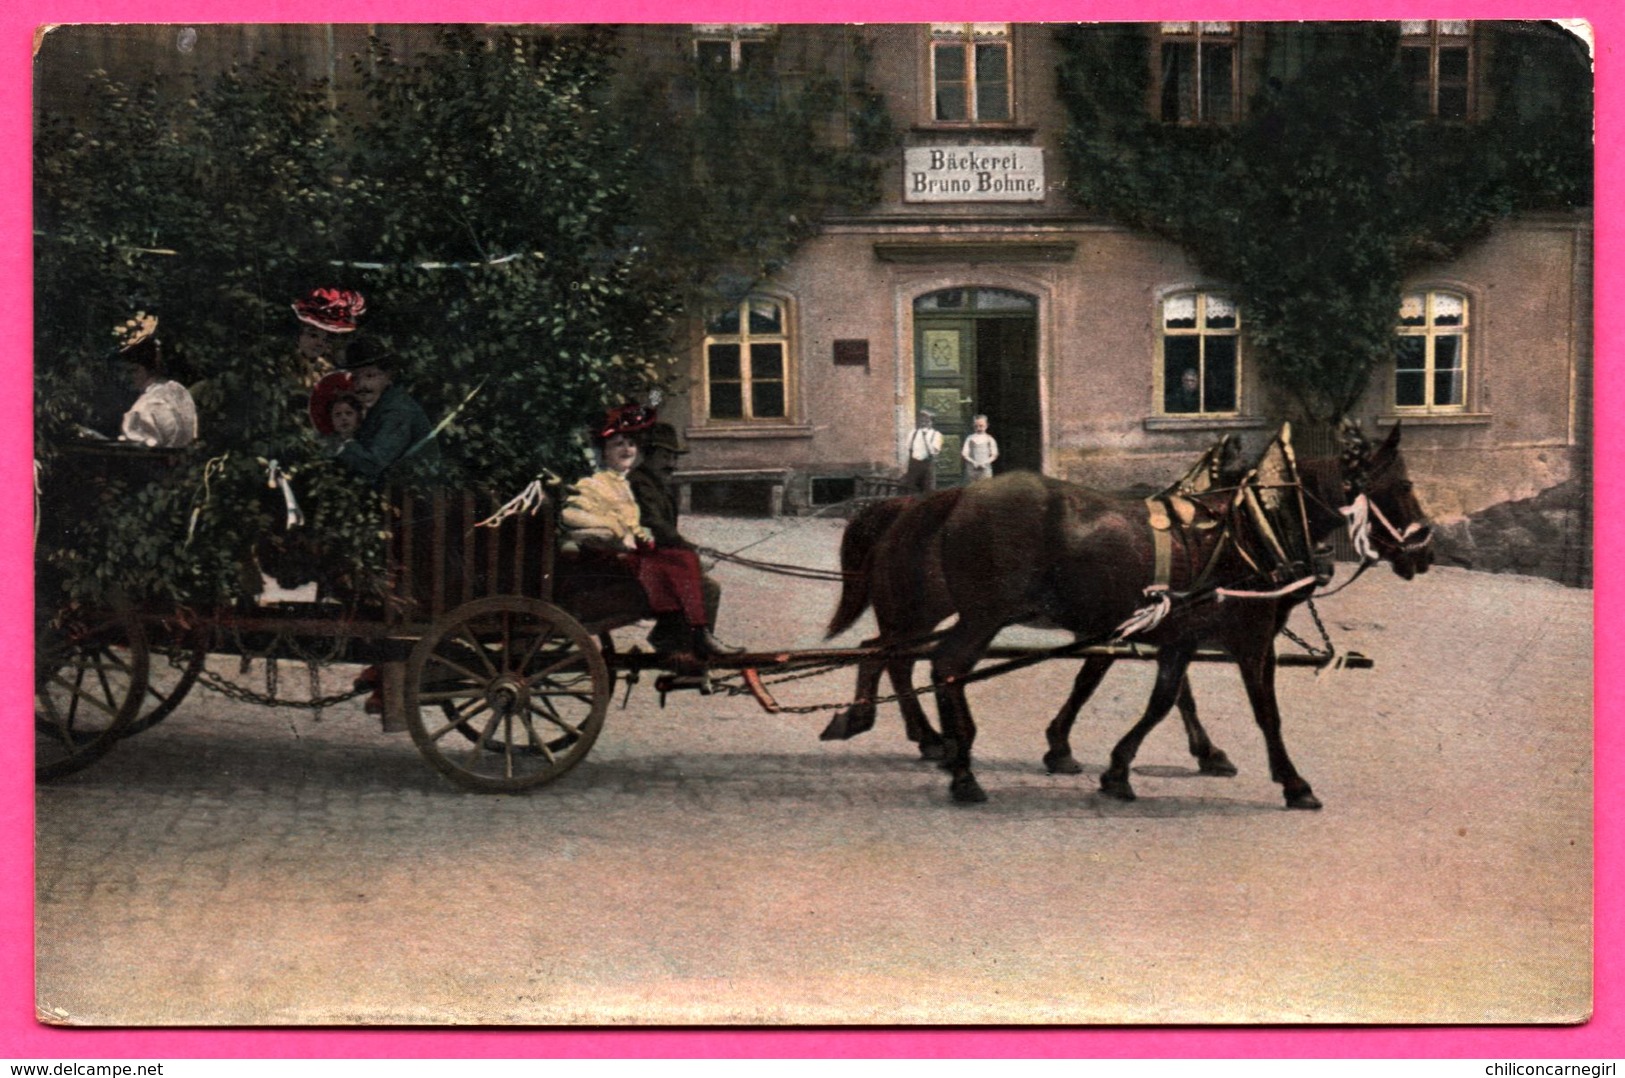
[
  {"x": 747, "y": 362},
  {"x": 1200, "y": 372},
  {"x": 1430, "y": 367}
]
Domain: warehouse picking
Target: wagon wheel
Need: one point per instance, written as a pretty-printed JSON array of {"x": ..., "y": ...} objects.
[
  {"x": 90, "y": 679},
  {"x": 526, "y": 687},
  {"x": 167, "y": 685}
]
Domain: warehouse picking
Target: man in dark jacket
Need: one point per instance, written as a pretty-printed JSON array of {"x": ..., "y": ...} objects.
[
  {"x": 395, "y": 425},
  {"x": 657, "y": 511}
]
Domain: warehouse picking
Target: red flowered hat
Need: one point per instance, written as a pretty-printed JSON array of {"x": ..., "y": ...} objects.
[
  {"x": 626, "y": 419},
  {"x": 321, "y": 398},
  {"x": 332, "y": 309}
]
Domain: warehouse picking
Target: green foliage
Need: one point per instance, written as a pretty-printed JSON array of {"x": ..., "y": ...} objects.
[
  {"x": 525, "y": 237},
  {"x": 1316, "y": 207},
  {"x": 733, "y": 170}
]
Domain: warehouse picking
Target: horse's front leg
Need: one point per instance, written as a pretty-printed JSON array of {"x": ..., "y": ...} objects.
[
  {"x": 915, "y": 724},
  {"x": 1257, "y": 663},
  {"x": 1059, "y": 758},
  {"x": 1209, "y": 760},
  {"x": 860, "y": 716},
  {"x": 1172, "y": 662}
]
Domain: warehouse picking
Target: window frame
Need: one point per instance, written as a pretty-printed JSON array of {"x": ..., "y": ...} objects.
[
  {"x": 1202, "y": 332},
  {"x": 736, "y": 35},
  {"x": 1197, "y": 34},
  {"x": 1431, "y": 333},
  {"x": 969, "y": 35},
  {"x": 788, "y": 359},
  {"x": 1433, "y": 40}
]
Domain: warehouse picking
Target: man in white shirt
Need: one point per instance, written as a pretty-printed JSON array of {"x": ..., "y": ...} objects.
[{"x": 923, "y": 446}]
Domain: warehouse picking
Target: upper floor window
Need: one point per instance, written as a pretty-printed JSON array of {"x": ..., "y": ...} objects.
[
  {"x": 747, "y": 362},
  {"x": 1198, "y": 72},
  {"x": 970, "y": 72},
  {"x": 724, "y": 47},
  {"x": 1436, "y": 58},
  {"x": 1201, "y": 354},
  {"x": 1430, "y": 367}
]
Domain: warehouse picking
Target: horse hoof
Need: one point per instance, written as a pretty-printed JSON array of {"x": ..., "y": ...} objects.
[
  {"x": 1116, "y": 788},
  {"x": 845, "y": 725},
  {"x": 1062, "y": 763},
  {"x": 966, "y": 790},
  {"x": 1302, "y": 800},
  {"x": 1218, "y": 764}
]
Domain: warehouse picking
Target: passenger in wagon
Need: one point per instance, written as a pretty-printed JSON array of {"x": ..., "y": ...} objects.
[
  {"x": 601, "y": 513},
  {"x": 657, "y": 507},
  {"x": 394, "y": 426},
  {"x": 326, "y": 318},
  {"x": 163, "y": 415}
]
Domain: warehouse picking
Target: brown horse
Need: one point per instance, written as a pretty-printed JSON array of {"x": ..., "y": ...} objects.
[
  {"x": 909, "y": 605},
  {"x": 1031, "y": 550}
]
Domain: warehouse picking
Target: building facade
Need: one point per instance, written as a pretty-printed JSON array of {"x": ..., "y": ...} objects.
[{"x": 1100, "y": 354}]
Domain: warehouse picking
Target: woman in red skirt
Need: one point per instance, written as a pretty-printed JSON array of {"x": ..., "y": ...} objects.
[{"x": 601, "y": 513}]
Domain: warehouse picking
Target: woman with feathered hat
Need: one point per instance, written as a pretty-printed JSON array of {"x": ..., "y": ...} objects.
[{"x": 601, "y": 513}]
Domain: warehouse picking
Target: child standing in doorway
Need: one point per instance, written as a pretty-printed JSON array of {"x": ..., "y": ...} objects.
[{"x": 979, "y": 451}]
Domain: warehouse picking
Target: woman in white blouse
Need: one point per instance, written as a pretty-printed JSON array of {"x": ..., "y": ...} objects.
[{"x": 163, "y": 416}]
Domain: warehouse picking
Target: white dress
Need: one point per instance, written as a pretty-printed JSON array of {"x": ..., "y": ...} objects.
[{"x": 163, "y": 417}]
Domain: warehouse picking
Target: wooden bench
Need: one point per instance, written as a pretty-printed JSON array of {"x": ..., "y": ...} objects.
[{"x": 778, "y": 478}]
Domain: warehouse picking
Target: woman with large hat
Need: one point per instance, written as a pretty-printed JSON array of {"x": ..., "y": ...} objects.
[
  {"x": 601, "y": 513},
  {"x": 326, "y": 317},
  {"x": 163, "y": 415}
]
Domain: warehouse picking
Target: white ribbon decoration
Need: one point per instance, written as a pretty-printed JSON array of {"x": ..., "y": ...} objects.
[
  {"x": 1149, "y": 616},
  {"x": 1359, "y": 523},
  {"x": 276, "y": 477},
  {"x": 529, "y": 500}
]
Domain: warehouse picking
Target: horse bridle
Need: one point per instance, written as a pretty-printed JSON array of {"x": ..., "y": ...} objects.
[{"x": 1358, "y": 515}]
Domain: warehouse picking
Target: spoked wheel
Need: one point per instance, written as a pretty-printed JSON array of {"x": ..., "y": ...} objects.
[
  {"x": 90, "y": 679},
  {"x": 506, "y": 693},
  {"x": 167, "y": 685}
]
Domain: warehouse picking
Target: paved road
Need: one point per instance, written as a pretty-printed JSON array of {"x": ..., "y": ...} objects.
[{"x": 710, "y": 864}]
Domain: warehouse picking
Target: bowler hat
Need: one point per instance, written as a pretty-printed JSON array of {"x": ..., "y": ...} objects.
[
  {"x": 664, "y": 436},
  {"x": 368, "y": 351}
]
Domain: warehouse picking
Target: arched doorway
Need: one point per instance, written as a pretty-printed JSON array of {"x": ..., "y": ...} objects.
[{"x": 976, "y": 352}]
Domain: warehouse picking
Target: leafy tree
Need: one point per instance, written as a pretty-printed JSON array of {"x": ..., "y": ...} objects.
[
  {"x": 526, "y": 250},
  {"x": 1316, "y": 207}
]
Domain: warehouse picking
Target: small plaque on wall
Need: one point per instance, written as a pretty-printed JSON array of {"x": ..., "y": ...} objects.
[{"x": 851, "y": 353}]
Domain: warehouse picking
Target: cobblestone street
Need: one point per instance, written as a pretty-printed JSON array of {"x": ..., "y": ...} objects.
[{"x": 712, "y": 864}]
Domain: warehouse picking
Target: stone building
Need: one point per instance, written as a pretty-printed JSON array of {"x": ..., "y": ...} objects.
[{"x": 978, "y": 286}]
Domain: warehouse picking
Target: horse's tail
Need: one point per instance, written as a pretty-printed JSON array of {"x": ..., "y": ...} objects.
[{"x": 857, "y": 548}]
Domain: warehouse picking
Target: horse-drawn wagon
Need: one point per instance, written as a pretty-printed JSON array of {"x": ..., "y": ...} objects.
[{"x": 492, "y": 647}]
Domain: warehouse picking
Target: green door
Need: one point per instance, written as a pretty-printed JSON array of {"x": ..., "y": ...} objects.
[{"x": 944, "y": 384}]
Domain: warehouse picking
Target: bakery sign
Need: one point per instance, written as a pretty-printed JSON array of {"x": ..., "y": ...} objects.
[{"x": 973, "y": 174}]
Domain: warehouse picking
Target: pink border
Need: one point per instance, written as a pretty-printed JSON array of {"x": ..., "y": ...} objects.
[{"x": 22, "y": 1038}]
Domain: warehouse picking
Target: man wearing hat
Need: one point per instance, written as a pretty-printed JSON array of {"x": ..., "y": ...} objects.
[
  {"x": 395, "y": 425},
  {"x": 657, "y": 509},
  {"x": 923, "y": 446}
]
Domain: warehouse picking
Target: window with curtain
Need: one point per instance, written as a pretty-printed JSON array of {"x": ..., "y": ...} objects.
[
  {"x": 747, "y": 358},
  {"x": 1200, "y": 368},
  {"x": 1436, "y": 58},
  {"x": 970, "y": 72},
  {"x": 1430, "y": 367}
]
